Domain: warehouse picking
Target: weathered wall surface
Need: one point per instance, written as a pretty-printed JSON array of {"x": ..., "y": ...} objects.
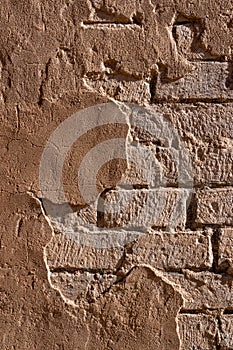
[{"x": 152, "y": 287}]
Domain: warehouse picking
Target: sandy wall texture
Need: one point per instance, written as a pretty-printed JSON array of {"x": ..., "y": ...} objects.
[{"x": 116, "y": 174}]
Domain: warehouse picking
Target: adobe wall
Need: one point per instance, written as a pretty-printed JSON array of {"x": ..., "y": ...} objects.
[{"x": 116, "y": 174}]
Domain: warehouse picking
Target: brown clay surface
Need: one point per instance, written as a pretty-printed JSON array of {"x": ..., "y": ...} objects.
[{"x": 144, "y": 286}]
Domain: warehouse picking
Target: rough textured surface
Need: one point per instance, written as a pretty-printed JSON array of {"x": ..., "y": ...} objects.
[
  {"x": 226, "y": 338},
  {"x": 90, "y": 276},
  {"x": 143, "y": 208},
  {"x": 198, "y": 331},
  {"x": 207, "y": 131},
  {"x": 173, "y": 251},
  {"x": 204, "y": 290},
  {"x": 225, "y": 259},
  {"x": 215, "y": 206},
  {"x": 207, "y": 82},
  {"x": 131, "y": 315}
]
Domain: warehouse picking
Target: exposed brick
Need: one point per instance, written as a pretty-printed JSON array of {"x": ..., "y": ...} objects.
[
  {"x": 66, "y": 252},
  {"x": 225, "y": 252},
  {"x": 207, "y": 82},
  {"x": 226, "y": 332},
  {"x": 145, "y": 208},
  {"x": 173, "y": 251},
  {"x": 69, "y": 282},
  {"x": 204, "y": 290},
  {"x": 126, "y": 91},
  {"x": 197, "y": 331},
  {"x": 214, "y": 206},
  {"x": 207, "y": 133},
  {"x": 187, "y": 40},
  {"x": 76, "y": 285}
]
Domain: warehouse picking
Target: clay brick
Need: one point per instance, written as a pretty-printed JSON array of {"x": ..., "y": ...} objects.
[
  {"x": 225, "y": 252},
  {"x": 207, "y": 133},
  {"x": 173, "y": 251},
  {"x": 125, "y": 91},
  {"x": 197, "y": 331},
  {"x": 145, "y": 208},
  {"x": 207, "y": 82},
  {"x": 66, "y": 252},
  {"x": 214, "y": 206},
  {"x": 204, "y": 290},
  {"x": 186, "y": 37},
  {"x": 160, "y": 250},
  {"x": 226, "y": 332},
  {"x": 79, "y": 271},
  {"x": 81, "y": 285},
  {"x": 57, "y": 58}
]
